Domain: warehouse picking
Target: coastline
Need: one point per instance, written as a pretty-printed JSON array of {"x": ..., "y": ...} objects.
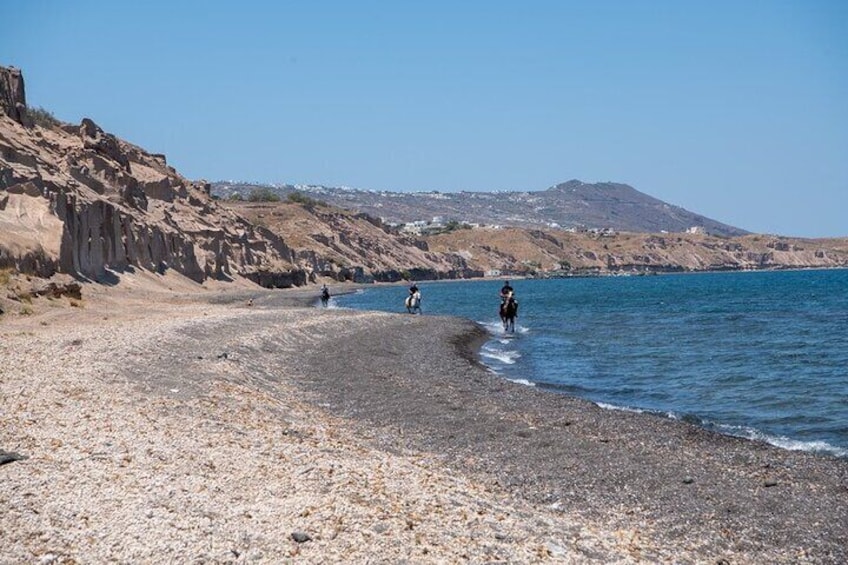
[{"x": 205, "y": 428}]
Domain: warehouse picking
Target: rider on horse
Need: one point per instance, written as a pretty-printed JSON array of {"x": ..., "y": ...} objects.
[
  {"x": 413, "y": 301},
  {"x": 509, "y": 307}
]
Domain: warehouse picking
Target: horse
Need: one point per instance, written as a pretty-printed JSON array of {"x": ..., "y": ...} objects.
[
  {"x": 325, "y": 297},
  {"x": 413, "y": 303},
  {"x": 508, "y": 312}
]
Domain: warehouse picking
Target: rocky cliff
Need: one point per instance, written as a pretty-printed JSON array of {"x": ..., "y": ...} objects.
[
  {"x": 346, "y": 245},
  {"x": 77, "y": 200}
]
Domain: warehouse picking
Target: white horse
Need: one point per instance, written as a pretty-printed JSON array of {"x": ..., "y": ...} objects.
[{"x": 413, "y": 303}]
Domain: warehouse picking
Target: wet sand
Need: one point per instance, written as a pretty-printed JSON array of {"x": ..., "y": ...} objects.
[{"x": 201, "y": 428}]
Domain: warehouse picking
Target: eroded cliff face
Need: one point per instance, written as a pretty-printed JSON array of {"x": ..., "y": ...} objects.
[
  {"x": 345, "y": 245},
  {"x": 77, "y": 200},
  {"x": 527, "y": 252}
]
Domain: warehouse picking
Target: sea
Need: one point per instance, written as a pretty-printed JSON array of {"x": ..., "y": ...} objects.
[{"x": 761, "y": 355}]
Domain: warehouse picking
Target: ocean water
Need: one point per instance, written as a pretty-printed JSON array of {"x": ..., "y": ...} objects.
[{"x": 762, "y": 355}]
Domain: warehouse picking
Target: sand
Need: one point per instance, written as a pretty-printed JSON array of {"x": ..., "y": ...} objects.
[{"x": 200, "y": 427}]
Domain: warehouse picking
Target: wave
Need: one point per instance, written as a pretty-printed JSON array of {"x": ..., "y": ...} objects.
[
  {"x": 745, "y": 432},
  {"x": 495, "y": 328},
  {"x": 522, "y": 382},
  {"x": 606, "y": 406},
  {"x": 507, "y": 357},
  {"x": 783, "y": 442}
]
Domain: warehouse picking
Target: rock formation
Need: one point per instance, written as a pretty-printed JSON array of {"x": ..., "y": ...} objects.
[
  {"x": 12, "y": 95},
  {"x": 77, "y": 200}
]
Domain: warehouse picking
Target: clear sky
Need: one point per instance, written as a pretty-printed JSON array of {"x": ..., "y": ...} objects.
[{"x": 736, "y": 110}]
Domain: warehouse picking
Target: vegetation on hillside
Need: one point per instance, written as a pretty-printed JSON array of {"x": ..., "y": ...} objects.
[
  {"x": 263, "y": 195},
  {"x": 43, "y": 117},
  {"x": 300, "y": 198}
]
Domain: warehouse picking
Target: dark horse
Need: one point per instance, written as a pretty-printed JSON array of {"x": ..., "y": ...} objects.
[
  {"x": 325, "y": 297},
  {"x": 509, "y": 312}
]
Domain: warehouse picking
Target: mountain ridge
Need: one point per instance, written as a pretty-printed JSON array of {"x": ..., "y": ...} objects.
[{"x": 573, "y": 204}]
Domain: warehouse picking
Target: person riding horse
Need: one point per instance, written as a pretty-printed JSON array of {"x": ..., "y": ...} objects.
[
  {"x": 325, "y": 295},
  {"x": 413, "y": 301}
]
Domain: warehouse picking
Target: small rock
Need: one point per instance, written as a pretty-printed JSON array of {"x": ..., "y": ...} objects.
[
  {"x": 301, "y": 537},
  {"x": 10, "y": 456},
  {"x": 555, "y": 551},
  {"x": 688, "y": 480},
  {"x": 770, "y": 483}
]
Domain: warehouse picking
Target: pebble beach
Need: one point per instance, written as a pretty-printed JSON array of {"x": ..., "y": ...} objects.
[{"x": 245, "y": 426}]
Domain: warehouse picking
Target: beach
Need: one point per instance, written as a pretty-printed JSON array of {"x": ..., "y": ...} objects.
[{"x": 241, "y": 425}]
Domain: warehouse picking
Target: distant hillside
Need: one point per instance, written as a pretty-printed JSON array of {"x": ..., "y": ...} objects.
[
  {"x": 573, "y": 204},
  {"x": 344, "y": 245},
  {"x": 547, "y": 252}
]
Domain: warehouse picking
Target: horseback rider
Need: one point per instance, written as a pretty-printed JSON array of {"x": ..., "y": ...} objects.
[
  {"x": 509, "y": 311},
  {"x": 325, "y": 294},
  {"x": 413, "y": 301}
]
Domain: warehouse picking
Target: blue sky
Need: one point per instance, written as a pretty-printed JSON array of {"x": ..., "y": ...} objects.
[{"x": 735, "y": 110}]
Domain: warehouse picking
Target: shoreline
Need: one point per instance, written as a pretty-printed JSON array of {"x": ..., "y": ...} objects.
[
  {"x": 815, "y": 446},
  {"x": 532, "y": 438},
  {"x": 203, "y": 428}
]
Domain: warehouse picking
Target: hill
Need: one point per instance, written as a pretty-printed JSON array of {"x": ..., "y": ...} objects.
[{"x": 573, "y": 204}]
